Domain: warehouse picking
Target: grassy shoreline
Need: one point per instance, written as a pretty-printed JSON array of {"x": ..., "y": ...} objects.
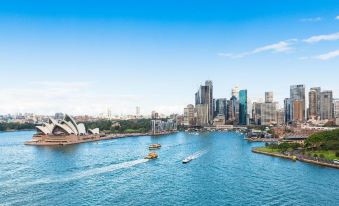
[{"x": 278, "y": 153}]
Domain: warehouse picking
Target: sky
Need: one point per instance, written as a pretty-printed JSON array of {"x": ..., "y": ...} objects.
[{"x": 83, "y": 57}]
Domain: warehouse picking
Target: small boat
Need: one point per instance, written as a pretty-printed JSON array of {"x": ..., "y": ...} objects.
[
  {"x": 335, "y": 161},
  {"x": 187, "y": 160},
  {"x": 154, "y": 146},
  {"x": 151, "y": 155}
]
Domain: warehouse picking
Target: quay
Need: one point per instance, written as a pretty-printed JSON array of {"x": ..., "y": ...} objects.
[
  {"x": 74, "y": 139},
  {"x": 261, "y": 139}
]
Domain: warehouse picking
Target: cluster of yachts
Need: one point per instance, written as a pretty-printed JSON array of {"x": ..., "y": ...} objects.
[{"x": 153, "y": 155}]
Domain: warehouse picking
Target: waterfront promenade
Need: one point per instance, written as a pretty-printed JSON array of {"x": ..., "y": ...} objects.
[
  {"x": 302, "y": 158},
  {"x": 74, "y": 139}
]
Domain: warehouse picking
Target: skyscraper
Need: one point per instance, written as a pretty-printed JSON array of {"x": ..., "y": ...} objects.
[
  {"x": 318, "y": 91},
  {"x": 269, "y": 97},
  {"x": 209, "y": 84},
  {"x": 268, "y": 113},
  {"x": 204, "y": 96},
  {"x": 336, "y": 111},
  {"x": 287, "y": 110},
  {"x": 189, "y": 115},
  {"x": 297, "y": 111},
  {"x": 297, "y": 92},
  {"x": 256, "y": 112},
  {"x": 235, "y": 92},
  {"x": 313, "y": 104},
  {"x": 268, "y": 110},
  {"x": 221, "y": 107},
  {"x": 326, "y": 105},
  {"x": 243, "y": 107}
]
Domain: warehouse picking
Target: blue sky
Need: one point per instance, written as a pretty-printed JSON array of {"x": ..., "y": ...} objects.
[{"x": 86, "y": 56}]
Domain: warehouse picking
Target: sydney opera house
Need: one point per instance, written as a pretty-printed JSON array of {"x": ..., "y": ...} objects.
[{"x": 61, "y": 132}]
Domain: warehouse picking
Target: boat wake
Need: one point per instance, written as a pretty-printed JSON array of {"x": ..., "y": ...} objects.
[
  {"x": 90, "y": 172},
  {"x": 195, "y": 155}
]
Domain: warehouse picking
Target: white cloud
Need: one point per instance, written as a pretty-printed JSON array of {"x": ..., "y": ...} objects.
[
  {"x": 314, "y": 19},
  {"x": 328, "y": 55},
  {"x": 337, "y": 17},
  {"x": 69, "y": 97},
  {"x": 282, "y": 46},
  {"x": 327, "y": 37}
]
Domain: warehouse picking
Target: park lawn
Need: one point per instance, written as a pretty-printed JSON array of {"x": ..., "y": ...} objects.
[
  {"x": 328, "y": 154},
  {"x": 266, "y": 149}
]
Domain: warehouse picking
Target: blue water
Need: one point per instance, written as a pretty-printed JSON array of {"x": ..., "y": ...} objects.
[{"x": 113, "y": 172}]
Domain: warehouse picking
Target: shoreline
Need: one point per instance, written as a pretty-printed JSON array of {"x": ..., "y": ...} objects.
[
  {"x": 294, "y": 158},
  {"x": 261, "y": 139},
  {"x": 70, "y": 140}
]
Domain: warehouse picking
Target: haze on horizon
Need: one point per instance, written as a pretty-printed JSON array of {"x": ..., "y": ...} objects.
[{"x": 82, "y": 57}]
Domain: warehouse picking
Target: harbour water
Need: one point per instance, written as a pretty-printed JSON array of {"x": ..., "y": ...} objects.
[{"x": 224, "y": 171}]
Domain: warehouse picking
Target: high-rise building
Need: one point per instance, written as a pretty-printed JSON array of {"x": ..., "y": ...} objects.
[
  {"x": 326, "y": 105},
  {"x": 297, "y": 110},
  {"x": 256, "y": 112},
  {"x": 297, "y": 92},
  {"x": 229, "y": 111},
  {"x": 243, "y": 107},
  {"x": 336, "y": 111},
  {"x": 268, "y": 113},
  {"x": 280, "y": 117},
  {"x": 235, "y": 92},
  {"x": 268, "y": 97},
  {"x": 221, "y": 107},
  {"x": 205, "y": 97},
  {"x": 318, "y": 91},
  {"x": 268, "y": 110},
  {"x": 287, "y": 110},
  {"x": 209, "y": 84},
  {"x": 189, "y": 115},
  {"x": 202, "y": 114},
  {"x": 234, "y": 110},
  {"x": 312, "y": 104}
]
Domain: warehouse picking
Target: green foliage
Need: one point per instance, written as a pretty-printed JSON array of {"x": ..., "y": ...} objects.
[
  {"x": 322, "y": 156},
  {"x": 315, "y": 155},
  {"x": 326, "y": 140},
  {"x": 16, "y": 126},
  {"x": 126, "y": 126},
  {"x": 284, "y": 146},
  {"x": 337, "y": 154}
]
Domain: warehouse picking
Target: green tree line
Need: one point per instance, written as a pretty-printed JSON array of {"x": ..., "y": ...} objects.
[
  {"x": 121, "y": 126},
  {"x": 4, "y": 126},
  {"x": 325, "y": 140}
]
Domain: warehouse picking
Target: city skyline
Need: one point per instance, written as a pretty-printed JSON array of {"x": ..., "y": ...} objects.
[{"x": 84, "y": 59}]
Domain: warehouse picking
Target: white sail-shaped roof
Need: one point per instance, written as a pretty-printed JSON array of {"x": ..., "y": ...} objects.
[
  {"x": 82, "y": 129},
  {"x": 67, "y": 126},
  {"x": 67, "y": 130},
  {"x": 70, "y": 125},
  {"x": 43, "y": 130},
  {"x": 71, "y": 120},
  {"x": 94, "y": 131}
]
